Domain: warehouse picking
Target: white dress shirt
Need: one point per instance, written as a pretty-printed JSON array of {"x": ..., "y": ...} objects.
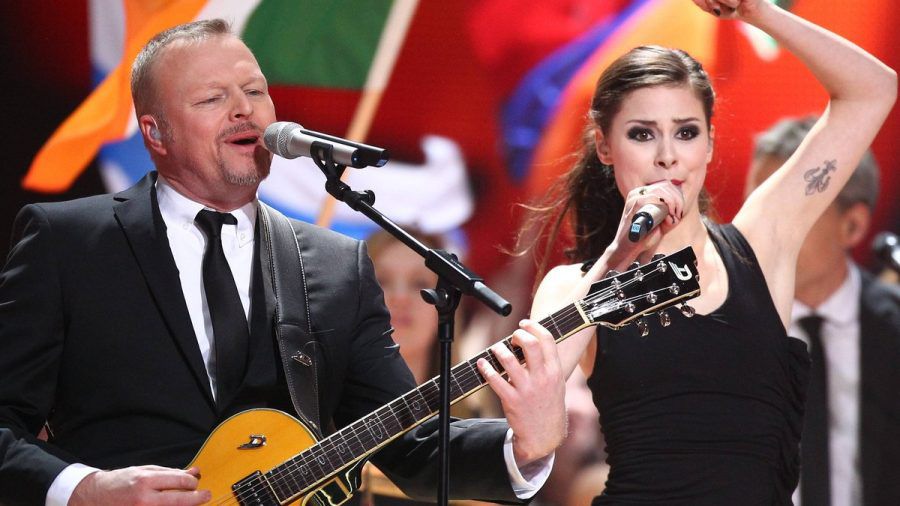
[
  {"x": 840, "y": 343},
  {"x": 188, "y": 243}
]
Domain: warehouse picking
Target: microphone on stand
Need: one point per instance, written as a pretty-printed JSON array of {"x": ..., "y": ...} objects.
[
  {"x": 290, "y": 140},
  {"x": 886, "y": 247}
]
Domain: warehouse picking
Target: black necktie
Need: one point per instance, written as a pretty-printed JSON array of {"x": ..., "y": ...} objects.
[
  {"x": 815, "y": 487},
  {"x": 230, "y": 333}
]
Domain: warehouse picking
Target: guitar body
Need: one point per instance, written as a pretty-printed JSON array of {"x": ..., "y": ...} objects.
[{"x": 258, "y": 440}]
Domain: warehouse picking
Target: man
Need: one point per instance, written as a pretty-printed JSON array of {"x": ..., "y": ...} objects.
[
  {"x": 859, "y": 453},
  {"x": 111, "y": 317}
]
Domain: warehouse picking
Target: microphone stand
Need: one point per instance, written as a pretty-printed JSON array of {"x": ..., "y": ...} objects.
[{"x": 454, "y": 280}]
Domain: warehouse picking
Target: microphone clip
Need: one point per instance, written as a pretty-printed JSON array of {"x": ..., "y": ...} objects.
[{"x": 322, "y": 155}]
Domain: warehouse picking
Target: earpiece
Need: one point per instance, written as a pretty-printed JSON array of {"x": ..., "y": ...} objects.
[{"x": 154, "y": 133}]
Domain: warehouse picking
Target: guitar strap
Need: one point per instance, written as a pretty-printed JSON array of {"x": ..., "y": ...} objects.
[{"x": 285, "y": 277}]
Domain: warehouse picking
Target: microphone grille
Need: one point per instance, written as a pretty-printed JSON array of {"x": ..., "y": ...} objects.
[
  {"x": 883, "y": 243},
  {"x": 277, "y": 135}
]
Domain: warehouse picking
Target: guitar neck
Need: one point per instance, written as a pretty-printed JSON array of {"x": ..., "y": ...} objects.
[
  {"x": 612, "y": 302},
  {"x": 362, "y": 437}
]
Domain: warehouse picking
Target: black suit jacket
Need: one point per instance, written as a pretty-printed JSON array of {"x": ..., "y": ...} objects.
[
  {"x": 879, "y": 439},
  {"x": 95, "y": 338}
]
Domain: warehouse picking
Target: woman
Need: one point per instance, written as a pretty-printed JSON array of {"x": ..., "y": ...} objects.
[
  {"x": 708, "y": 409},
  {"x": 402, "y": 274}
]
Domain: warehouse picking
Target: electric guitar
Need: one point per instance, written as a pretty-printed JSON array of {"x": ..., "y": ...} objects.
[{"x": 252, "y": 457}]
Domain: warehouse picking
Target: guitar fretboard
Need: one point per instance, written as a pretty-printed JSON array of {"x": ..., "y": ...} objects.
[
  {"x": 362, "y": 437},
  {"x": 612, "y": 301}
]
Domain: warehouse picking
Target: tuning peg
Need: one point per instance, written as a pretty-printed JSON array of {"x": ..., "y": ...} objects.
[
  {"x": 657, "y": 256},
  {"x": 664, "y": 319},
  {"x": 610, "y": 273},
  {"x": 687, "y": 311},
  {"x": 642, "y": 326},
  {"x": 634, "y": 265},
  {"x": 639, "y": 275}
]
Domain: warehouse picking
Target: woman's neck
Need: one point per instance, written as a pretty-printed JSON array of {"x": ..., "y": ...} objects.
[{"x": 690, "y": 232}]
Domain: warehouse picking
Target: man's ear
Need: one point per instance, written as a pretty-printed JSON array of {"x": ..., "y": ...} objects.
[
  {"x": 602, "y": 147},
  {"x": 711, "y": 143},
  {"x": 153, "y": 137},
  {"x": 855, "y": 223}
]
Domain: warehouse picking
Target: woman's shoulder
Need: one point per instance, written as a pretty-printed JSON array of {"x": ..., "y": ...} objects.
[
  {"x": 566, "y": 273},
  {"x": 557, "y": 284}
]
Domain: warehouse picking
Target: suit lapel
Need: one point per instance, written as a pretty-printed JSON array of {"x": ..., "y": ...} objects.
[
  {"x": 138, "y": 215},
  {"x": 879, "y": 354}
]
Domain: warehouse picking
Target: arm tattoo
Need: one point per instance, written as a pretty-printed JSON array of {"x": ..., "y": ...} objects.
[{"x": 818, "y": 178}]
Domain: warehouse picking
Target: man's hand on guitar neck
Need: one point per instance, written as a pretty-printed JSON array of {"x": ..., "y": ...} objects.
[
  {"x": 141, "y": 485},
  {"x": 533, "y": 396}
]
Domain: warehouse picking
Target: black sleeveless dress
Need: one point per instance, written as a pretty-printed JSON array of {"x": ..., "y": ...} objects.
[{"x": 708, "y": 410}]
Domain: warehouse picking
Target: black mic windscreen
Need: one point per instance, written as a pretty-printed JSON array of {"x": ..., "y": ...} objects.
[{"x": 886, "y": 247}]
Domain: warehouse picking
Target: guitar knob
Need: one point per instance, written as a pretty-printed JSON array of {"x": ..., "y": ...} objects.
[
  {"x": 634, "y": 265},
  {"x": 687, "y": 311},
  {"x": 643, "y": 327},
  {"x": 657, "y": 256},
  {"x": 664, "y": 319},
  {"x": 610, "y": 273}
]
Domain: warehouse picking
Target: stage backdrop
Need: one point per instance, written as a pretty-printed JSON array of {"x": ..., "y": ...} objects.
[{"x": 479, "y": 102}]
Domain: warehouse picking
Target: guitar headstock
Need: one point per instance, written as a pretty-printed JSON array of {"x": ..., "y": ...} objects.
[{"x": 617, "y": 300}]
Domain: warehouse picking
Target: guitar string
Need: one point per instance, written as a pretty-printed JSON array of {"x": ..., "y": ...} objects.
[
  {"x": 282, "y": 481},
  {"x": 567, "y": 315},
  {"x": 325, "y": 450},
  {"x": 390, "y": 408}
]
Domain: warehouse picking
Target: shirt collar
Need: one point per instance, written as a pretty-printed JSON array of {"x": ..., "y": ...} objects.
[
  {"x": 179, "y": 210},
  {"x": 842, "y": 308}
]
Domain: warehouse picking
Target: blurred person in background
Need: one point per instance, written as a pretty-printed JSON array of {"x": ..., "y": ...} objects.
[
  {"x": 402, "y": 274},
  {"x": 851, "y": 443}
]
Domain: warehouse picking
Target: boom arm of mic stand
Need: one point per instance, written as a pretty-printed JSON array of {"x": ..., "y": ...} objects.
[
  {"x": 445, "y": 265},
  {"x": 454, "y": 279}
]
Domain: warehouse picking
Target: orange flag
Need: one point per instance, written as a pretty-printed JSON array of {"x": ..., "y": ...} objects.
[{"x": 104, "y": 115}]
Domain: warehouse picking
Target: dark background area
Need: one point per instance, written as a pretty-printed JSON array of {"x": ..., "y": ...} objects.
[{"x": 45, "y": 78}]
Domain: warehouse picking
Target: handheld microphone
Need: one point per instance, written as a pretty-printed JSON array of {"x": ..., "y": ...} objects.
[
  {"x": 290, "y": 140},
  {"x": 648, "y": 217},
  {"x": 886, "y": 248}
]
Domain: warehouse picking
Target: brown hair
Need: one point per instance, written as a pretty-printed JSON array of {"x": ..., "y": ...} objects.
[
  {"x": 586, "y": 197},
  {"x": 380, "y": 240}
]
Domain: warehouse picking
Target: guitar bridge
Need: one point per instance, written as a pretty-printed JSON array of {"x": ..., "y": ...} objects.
[{"x": 254, "y": 490}]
